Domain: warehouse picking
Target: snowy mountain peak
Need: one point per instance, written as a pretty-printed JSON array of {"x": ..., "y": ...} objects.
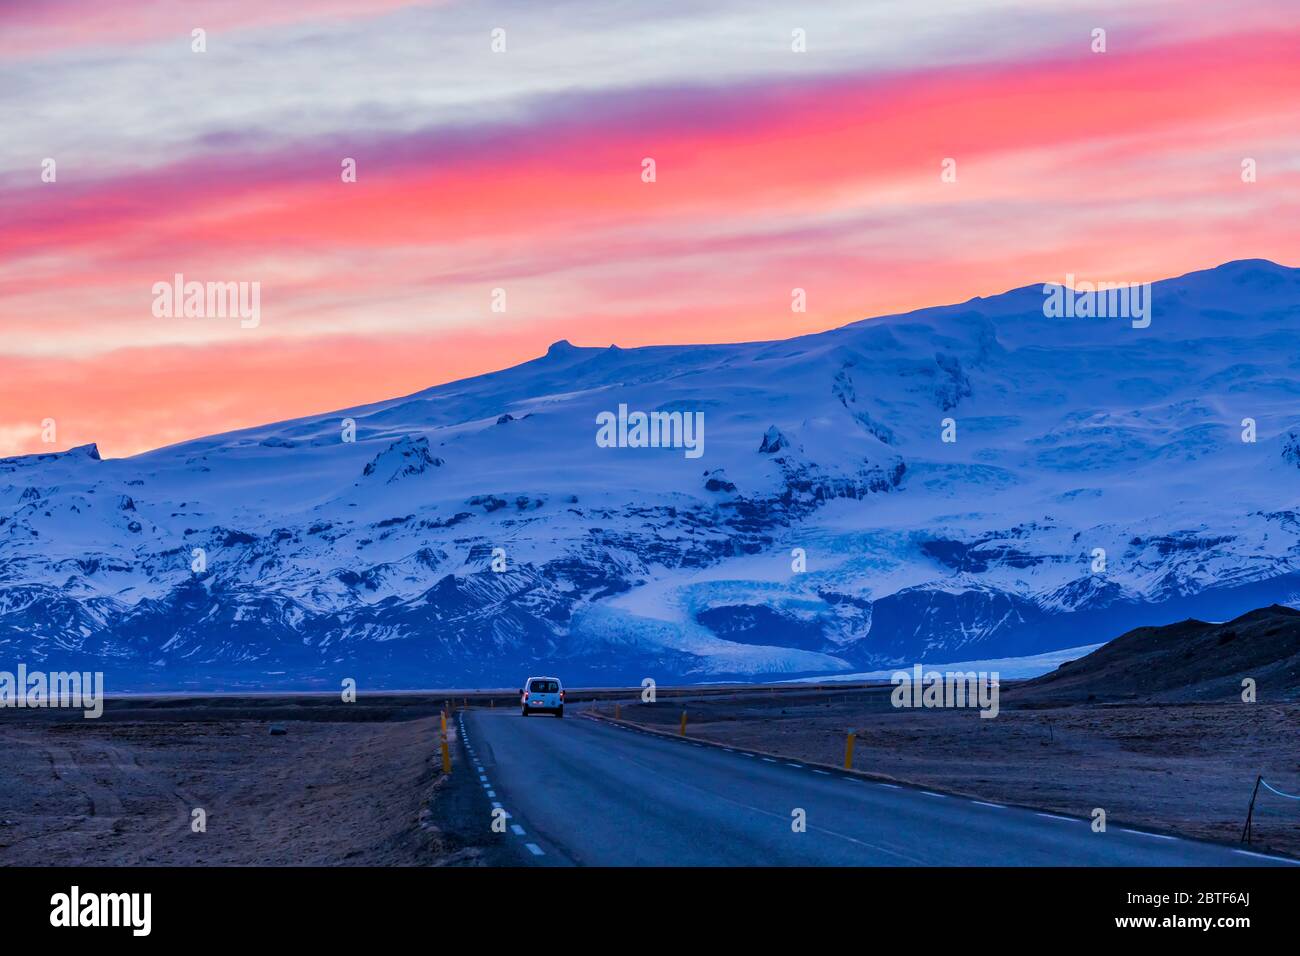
[
  {"x": 561, "y": 348},
  {"x": 89, "y": 452},
  {"x": 968, "y": 481},
  {"x": 773, "y": 441},
  {"x": 405, "y": 458}
]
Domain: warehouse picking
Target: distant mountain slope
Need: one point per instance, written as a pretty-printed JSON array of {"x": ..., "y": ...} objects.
[
  {"x": 488, "y": 527},
  {"x": 1187, "y": 661}
]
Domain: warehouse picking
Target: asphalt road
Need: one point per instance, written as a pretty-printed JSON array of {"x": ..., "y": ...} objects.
[{"x": 584, "y": 792}]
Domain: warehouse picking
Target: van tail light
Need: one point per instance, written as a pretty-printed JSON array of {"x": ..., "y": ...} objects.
[{"x": 561, "y": 697}]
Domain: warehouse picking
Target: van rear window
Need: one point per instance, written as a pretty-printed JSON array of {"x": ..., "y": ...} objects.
[{"x": 544, "y": 686}]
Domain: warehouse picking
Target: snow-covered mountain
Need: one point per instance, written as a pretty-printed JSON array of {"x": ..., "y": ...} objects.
[{"x": 478, "y": 531}]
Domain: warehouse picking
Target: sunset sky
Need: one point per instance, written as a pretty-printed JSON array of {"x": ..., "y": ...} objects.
[{"x": 522, "y": 170}]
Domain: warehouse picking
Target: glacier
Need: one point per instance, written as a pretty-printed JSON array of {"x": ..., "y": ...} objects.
[{"x": 475, "y": 532}]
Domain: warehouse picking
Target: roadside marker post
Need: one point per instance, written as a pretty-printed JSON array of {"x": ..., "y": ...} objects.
[
  {"x": 848, "y": 750},
  {"x": 618, "y": 712},
  {"x": 1250, "y": 814},
  {"x": 444, "y": 725},
  {"x": 682, "y": 732},
  {"x": 446, "y": 756}
]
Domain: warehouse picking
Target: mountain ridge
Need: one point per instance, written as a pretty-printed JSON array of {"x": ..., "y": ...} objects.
[{"x": 827, "y": 527}]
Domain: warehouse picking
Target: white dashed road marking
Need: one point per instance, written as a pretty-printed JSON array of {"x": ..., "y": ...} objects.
[
  {"x": 1158, "y": 836},
  {"x": 534, "y": 849}
]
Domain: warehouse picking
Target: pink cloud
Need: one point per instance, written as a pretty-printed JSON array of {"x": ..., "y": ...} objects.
[
  {"x": 37, "y": 27},
  {"x": 1118, "y": 166}
]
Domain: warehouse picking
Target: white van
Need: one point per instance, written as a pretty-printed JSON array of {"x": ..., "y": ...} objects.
[{"x": 542, "y": 695}]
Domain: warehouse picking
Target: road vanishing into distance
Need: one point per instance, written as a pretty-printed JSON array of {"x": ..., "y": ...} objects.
[{"x": 582, "y": 791}]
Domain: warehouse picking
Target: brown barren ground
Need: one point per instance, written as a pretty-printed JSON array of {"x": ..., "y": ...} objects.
[
  {"x": 346, "y": 784},
  {"x": 109, "y": 792},
  {"x": 1185, "y": 768}
]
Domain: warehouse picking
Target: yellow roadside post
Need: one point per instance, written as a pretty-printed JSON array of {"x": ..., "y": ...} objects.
[
  {"x": 446, "y": 751},
  {"x": 682, "y": 732},
  {"x": 848, "y": 751}
]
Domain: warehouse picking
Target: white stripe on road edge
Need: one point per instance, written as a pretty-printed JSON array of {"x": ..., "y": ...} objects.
[
  {"x": 743, "y": 754},
  {"x": 534, "y": 849},
  {"x": 1158, "y": 836},
  {"x": 1264, "y": 856},
  {"x": 769, "y": 760},
  {"x": 492, "y": 793},
  {"x": 516, "y": 829},
  {"x": 941, "y": 796},
  {"x": 799, "y": 765},
  {"x": 981, "y": 803},
  {"x": 1053, "y": 816},
  {"x": 824, "y": 773},
  {"x": 891, "y": 786}
]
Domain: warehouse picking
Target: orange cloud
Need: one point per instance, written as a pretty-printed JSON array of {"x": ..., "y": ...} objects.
[{"x": 1116, "y": 166}]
